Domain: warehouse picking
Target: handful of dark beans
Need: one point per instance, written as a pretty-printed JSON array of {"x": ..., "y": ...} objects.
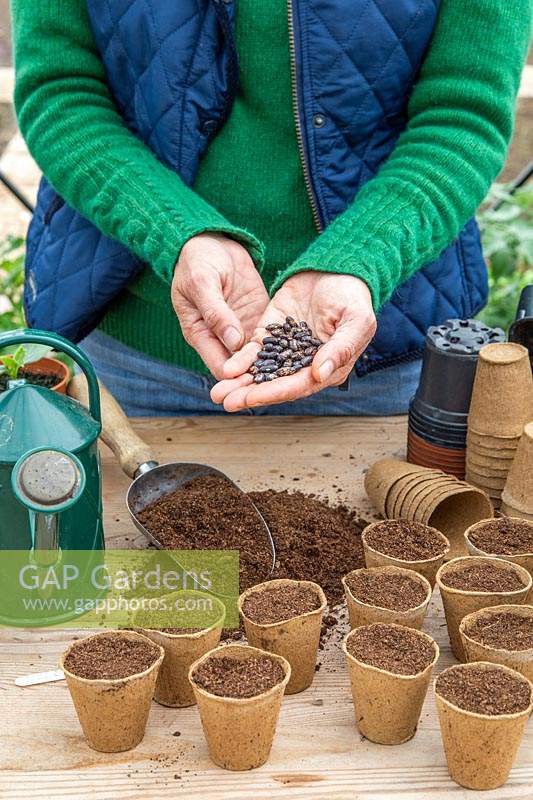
[{"x": 288, "y": 348}]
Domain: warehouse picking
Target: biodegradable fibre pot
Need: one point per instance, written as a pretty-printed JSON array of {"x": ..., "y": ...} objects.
[
  {"x": 518, "y": 491},
  {"x": 387, "y": 705},
  {"x": 113, "y": 713},
  {"x": 426, "y": 567},
  {"x": 509, "y": 511},
  {"x": 481, "y": 461},
  {"x": 502, "y": 398},
  {"x": 460, "y": 602},
  {"x": 361, "y": 613},
  {"x": 480, "y": 749},
  {"x": 520, "y": 660},
  {"x": 504, "y": 446},
  {"x": 496, "y": 482},
  {"x": 415, "y": 500},
  {"x": 523, "y": 559},
  {"x": 454, "y": 511},
  {"x": 239, "y": 731},
  {"x": 173, "y": 688},
  {"x": 401, "y": 487},
  {"x": 381, "y": 477},
  {"x": 296, "y": 639}
]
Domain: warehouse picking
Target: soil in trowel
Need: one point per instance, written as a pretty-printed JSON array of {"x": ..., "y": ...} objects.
[
  {"x": 208, "y": 513},
  {"x": 280, "y": 603},
  {"x": 484, "y": 691},
  {"x": 110, "y": 657},
  {"x": 314, "y": 541},
  {"x": 231, "y": 677},
  {"x": 397, "y": 650}
]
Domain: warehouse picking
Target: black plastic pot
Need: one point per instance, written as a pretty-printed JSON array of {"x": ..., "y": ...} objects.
[
  {"x": 449, "y": 365},
  {"x": 521, "y": 331}
]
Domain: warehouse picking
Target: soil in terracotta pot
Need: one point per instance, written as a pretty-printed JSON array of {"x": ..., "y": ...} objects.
[
  {"x": 397, "y": 650},
  {"x": 483, "y": 578},
  {"x": 110, "y": 657},
  {"x": 396, "y": 592},
  {"x": 408, "y": 541},
  {"x": 503, "y": 537},
  {"x": 484, "y": 691},
  {"x": 314, "y": 541},
  {"x": 504, "y": 630},
  {"x": 36, "y": 378},
  {"x": 280, "y": 603},
  {"x": 231, "y": 677}
]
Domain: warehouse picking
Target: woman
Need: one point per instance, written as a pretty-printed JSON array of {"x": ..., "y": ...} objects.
[{"x": 229, "y": 164}]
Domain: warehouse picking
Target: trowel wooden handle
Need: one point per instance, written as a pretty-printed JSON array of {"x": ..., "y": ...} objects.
[{"x": 117, "y": 432}]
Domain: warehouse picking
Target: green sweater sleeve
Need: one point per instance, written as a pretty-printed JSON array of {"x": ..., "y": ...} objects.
[
  {"x": 460, "y": 120},
  {"x": 77, "y": 136}
]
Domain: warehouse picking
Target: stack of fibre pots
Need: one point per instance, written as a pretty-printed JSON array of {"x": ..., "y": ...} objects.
[
  {"x": 517, "y": 495},
  {"x": 438, "y": 412},
  {"x": 502, "y": 404},
  {"x": 406, "y": 491}
]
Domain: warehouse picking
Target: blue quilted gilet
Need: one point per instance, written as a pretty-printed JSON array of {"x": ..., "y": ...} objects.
[{"x": 173, "y": 70}]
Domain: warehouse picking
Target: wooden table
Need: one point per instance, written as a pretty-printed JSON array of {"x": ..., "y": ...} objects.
[{"x": 318, "y": 752}]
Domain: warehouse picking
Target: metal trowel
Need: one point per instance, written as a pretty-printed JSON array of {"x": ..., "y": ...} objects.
[{"x": 151, "y": 480}]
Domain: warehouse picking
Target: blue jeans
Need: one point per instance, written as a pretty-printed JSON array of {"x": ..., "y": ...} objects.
[{"x": 145, "y": 386}]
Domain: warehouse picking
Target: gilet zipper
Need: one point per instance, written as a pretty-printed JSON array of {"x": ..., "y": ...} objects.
[{"x": 297, "y": 119}]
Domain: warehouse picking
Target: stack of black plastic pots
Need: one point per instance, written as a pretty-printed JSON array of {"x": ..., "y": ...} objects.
[{"x": 438, "y": 412}]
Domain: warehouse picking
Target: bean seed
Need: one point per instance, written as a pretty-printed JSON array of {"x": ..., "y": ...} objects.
[
  {"x": 281, "y": 373},
  {"x": 259, "y": 378},
  {"x": 306, "y": 360}
]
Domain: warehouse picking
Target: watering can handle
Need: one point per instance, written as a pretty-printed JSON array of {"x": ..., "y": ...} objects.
[
  {"x": 57, "y": 342},
  {"x": 117, "y": 433}
]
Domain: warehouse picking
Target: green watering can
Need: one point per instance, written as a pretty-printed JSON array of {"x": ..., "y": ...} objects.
[{"x": 50, "y": 475}]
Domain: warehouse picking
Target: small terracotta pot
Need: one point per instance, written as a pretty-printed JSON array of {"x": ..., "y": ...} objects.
[
  {"x": 460, "y": 602},
  {"x": 520, "y": 660},
  {"x": 387, "y": 705},
  {"x": 113, "y": 713},
  {"x": 363, "y": 614},
  {"x": 480, "y": 749},
  {"x": 296, "y": 639},
  {"x": 52, "y": 366},
  {"x": 427, "y": 567},
  {"x": 239, "y": 731}
]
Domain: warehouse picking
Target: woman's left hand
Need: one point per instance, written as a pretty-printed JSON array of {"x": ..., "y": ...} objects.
[{"x": 339, "y": 310}]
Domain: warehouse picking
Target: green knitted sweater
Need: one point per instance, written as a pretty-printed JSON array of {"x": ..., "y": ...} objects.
[{"x": 250, "y": 184}]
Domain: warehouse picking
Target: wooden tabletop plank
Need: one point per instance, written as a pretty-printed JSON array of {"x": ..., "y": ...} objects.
[{"x": 318, "y": 752}]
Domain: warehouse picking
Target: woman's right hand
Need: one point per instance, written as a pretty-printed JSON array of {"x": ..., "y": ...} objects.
[{"x": 218, "y": 296}]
